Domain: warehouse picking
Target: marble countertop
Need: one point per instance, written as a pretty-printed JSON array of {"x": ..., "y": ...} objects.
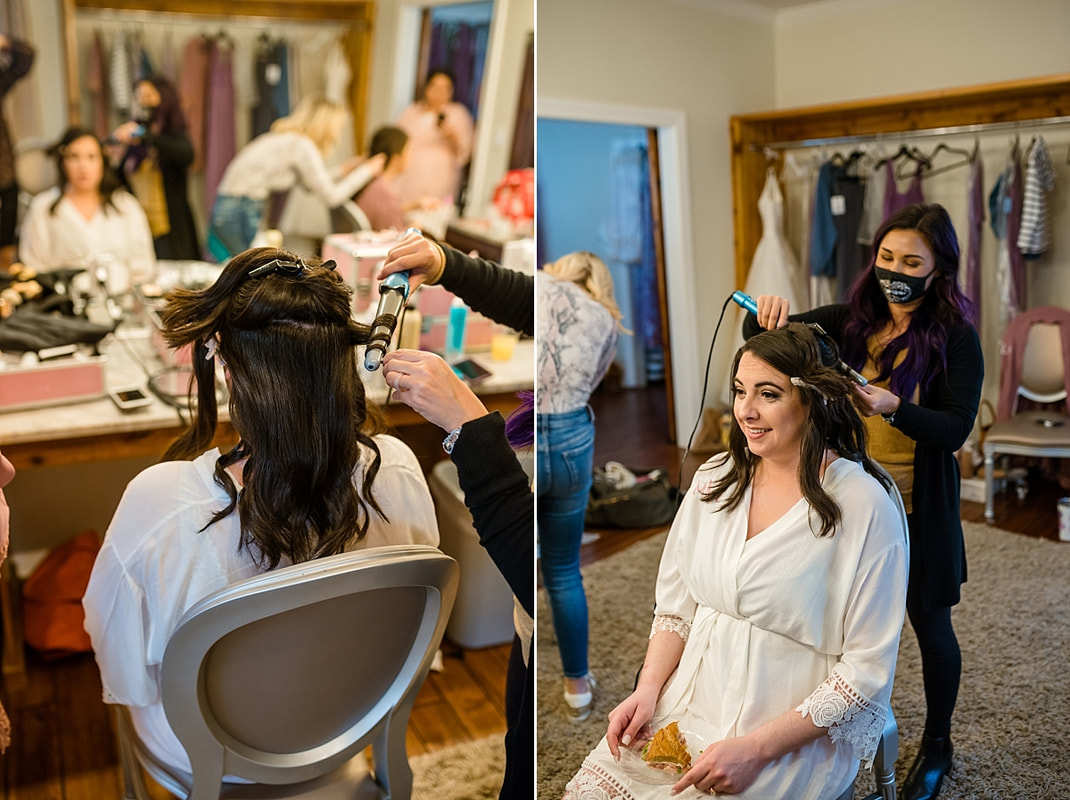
[{"x": 132, "y": 358}]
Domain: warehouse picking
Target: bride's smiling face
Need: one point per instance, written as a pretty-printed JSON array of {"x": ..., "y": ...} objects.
[{"x": 768, "y": 409}]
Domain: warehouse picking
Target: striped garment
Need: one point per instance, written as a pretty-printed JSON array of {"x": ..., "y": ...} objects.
[{"x": 1034, "y": 237}]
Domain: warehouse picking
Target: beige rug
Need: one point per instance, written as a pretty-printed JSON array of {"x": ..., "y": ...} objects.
[
  {"x": 470, "y": 771},
  {"x": 1012, "y": 723}
]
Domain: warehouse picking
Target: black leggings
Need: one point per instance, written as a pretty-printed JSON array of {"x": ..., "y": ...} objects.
[{"x": 941, "y": 665}]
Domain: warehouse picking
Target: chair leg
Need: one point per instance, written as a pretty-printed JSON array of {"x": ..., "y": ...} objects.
[
  {"x": 990, "y": 484},
  {"x": 134, "y": 787},
  {"x": 392, "y": 770}
]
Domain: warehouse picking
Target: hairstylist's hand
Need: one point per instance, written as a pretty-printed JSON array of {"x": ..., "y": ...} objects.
[
  {"x": 421, "y": 257},
  {"x": 375, "y": 163},
  {"x": 772, "y": 311},
  {"x": 429, "y": 386},
  {"x": 125, "y": 132},
  {"x": 628, "y": 718},
  {"x": 872, "y": 400}
]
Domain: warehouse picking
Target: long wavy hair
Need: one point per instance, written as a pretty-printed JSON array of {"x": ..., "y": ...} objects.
[
  {"x": 168, "y": 117},
  {"x": 590, "y": 273},
  {"x": 109, "y": 181},
  {"x": 832, "y": 422},
  {"x": 943, "y": 307},
  {"x": 296, "y": 400}
]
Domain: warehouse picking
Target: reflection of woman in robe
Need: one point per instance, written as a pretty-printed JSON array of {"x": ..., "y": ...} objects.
[
  {"x": 440, "y": 140},
  {"x": 778, "y": 609}
]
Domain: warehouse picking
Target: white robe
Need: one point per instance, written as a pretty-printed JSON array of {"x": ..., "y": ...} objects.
[
  {"x": 783, "y": 621},
  {"x": 156, "y": 563}
]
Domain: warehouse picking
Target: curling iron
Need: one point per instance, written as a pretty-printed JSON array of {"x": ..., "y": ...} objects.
[
  {"x": 393, "y": 292},
  {"x": 826, "y": 345}
]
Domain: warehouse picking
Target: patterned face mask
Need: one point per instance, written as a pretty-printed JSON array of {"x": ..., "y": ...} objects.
[{"x": 900, "y": 288}]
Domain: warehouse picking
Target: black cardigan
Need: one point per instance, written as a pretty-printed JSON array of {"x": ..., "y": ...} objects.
[
  {"x": 497, "y": 492},
  {"x": 939, "y": 424},
  {"x": 174, "y": 156}
]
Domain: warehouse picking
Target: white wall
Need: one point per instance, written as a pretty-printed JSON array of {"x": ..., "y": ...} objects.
[
  {"x": 838, "y": 50},
  {"x": 704, "y": 65}
]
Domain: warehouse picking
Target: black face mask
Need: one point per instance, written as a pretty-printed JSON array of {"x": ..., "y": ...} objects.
[
  {"x": 146, "y": 115},
  {"x": 900, "y": 288}
]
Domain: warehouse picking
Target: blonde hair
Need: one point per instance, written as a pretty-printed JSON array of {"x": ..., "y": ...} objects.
[
  {"x": 316, "y": 117},
  {"x": 590, "y": 273}
]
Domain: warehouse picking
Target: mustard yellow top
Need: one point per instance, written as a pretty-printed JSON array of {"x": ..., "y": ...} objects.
[{"x": 889, "y": 446}]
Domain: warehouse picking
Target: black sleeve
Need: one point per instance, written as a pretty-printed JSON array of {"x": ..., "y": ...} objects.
[
  {"x": 950, "y": 404},
  {"x": 831, "y": 318},
  {"x": 497, "y": 493},
  {"x": 175, "y": 149},
  {"x": 22, "y": 54},
  {"x": 504, "y": 295}
]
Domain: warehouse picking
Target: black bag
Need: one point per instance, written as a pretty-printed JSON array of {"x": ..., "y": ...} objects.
[{"x": 651, "y": 502}]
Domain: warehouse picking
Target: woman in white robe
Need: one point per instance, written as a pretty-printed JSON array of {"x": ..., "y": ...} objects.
[{"x": 780, "y": 600}]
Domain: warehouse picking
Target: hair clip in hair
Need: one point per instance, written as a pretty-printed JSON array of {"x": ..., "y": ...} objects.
[
  {"x": 297, "y": 267},
  {"x": 211, "y": 346},
  {"x": 801, "y": 384}
]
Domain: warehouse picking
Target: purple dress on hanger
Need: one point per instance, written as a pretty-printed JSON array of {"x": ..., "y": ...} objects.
[{"x": 894, "y": 200}]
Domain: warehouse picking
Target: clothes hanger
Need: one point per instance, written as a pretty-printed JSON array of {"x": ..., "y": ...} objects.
[
  {"x": 919, "y": 158},
  {"x": 968, "y": 158}
]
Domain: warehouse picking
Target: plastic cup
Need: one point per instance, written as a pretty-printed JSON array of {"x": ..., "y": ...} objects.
[{"x": 503, "y": 343}]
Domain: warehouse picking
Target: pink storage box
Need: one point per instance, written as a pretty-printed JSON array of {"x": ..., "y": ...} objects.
[
  {"x": 358, "y": 262},
  {"x": 51, "y": 383},
  {"x": 477, "y": 333}
]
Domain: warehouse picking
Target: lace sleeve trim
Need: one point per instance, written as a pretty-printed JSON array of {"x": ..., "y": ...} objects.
[
  {"x": 672, "y": 623},
  {"x": 850, "y": 716}
]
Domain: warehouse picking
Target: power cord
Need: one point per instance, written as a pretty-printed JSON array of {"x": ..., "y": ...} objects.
[{"x": 701, "y": 404}]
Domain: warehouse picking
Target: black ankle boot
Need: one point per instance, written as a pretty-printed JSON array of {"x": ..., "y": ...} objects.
[{"x": 930, "y": 767}]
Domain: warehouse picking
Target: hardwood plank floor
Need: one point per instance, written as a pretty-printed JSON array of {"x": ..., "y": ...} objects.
[{"x": 64, "y": 745}]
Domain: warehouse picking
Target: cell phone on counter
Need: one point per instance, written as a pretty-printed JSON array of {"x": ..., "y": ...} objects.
[
  {"x": 469, "y": 371},
  {"x": 129, "y": 398}
]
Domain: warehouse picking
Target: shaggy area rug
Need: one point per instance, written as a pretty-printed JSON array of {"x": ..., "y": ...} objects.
[
  {"x": 469, "y": 771},
  {"x": 1011, "y": 728}
]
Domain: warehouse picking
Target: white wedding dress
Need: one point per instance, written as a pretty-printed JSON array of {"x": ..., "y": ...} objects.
[{"x": 785, "y": 620}]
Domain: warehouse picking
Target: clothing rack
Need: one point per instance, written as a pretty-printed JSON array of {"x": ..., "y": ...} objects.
[
  {"x": 947, "y": 130},
  {"x": 354, "y": 18},
  {"x": 1020, "y": 103}
]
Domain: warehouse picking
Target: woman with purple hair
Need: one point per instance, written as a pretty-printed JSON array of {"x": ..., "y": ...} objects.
[
  {"x": 481, "y": 444},
  {"x": 907, "y": 328},
  {"x": 155, "y": 167}
]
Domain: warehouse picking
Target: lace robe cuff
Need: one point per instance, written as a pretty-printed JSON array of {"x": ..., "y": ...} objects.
[
  {"x": 670, "y": 622},
  {"x": 850, "y": 716}
]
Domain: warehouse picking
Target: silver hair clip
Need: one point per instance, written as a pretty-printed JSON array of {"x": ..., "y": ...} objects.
[
  {"x": 211, "y": 346},
  {"x": 801, "y": 384},
  {"x": 286, "y": 267}
]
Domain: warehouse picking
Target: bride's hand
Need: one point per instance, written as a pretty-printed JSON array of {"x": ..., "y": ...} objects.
[{"x": 628, "y": 718}]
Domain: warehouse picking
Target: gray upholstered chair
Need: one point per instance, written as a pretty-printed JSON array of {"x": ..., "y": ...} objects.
[
  {"x": 883, "y": 764},
  {"x": 1044, "y": 434},
  {"x": 285, "y": 678}
]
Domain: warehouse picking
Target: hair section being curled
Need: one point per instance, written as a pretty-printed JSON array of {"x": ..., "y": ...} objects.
[
  {"x": 296, "y": 401},
  {"x": 832, "y": 422}
]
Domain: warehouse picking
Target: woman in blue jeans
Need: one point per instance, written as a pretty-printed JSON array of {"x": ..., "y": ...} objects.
[{"x": 578, "y": 322}]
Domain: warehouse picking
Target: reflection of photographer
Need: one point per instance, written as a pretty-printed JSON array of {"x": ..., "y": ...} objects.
[
  {"x": 16, "y": 58},
  {"x": 153, "y": 160}
]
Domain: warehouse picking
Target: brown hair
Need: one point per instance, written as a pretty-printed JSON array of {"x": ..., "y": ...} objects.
[
  {"x": 832, "y": 422},
  {"x": 288, "y": 341}
]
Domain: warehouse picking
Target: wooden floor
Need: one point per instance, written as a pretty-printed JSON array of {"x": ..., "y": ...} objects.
[{"x": 64, "y": 742}]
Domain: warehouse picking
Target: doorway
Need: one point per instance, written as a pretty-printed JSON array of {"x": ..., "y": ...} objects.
[{"x": 599, "y": 190}]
